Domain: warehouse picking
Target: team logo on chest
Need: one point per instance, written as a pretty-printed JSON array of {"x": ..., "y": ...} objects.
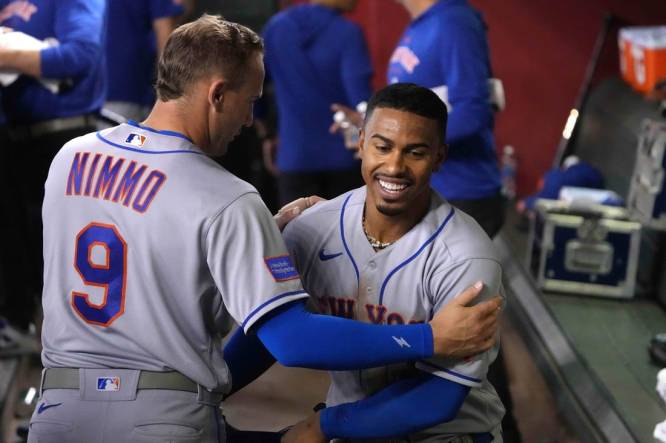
[
  {"x": 406, "y": 58},
  {"x": 136, "y": 140},
  {"x": 108, "y": 384}
]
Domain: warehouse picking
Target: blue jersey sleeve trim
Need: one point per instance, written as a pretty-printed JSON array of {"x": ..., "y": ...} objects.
[
  {"x": 448, "y": 371},
  {"x": 127, "y": 148},
  {"x": 344, "y": 241},
  {"x": 162, "y": 132},
  {"x": 416, "y": 254},
  {"x": 267, "y": 302}
]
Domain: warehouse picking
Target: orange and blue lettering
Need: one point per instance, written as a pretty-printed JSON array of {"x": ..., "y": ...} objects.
[
  {"x": 76, "y": 173},
  {"x": 128, "y": 183},
  {"x": 91, "y": 174},
  {"x": 107, "y": 177},
  {"x": 155, "y": 180}
]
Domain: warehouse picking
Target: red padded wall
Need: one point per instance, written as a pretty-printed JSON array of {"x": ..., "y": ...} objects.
[{"x": 539, "y": 48}]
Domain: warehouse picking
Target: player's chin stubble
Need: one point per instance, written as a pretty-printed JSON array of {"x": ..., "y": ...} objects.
[{"x": 389, "y": 211}]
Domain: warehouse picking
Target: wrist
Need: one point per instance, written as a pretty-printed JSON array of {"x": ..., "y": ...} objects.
[{"x": 429, "y": 341}]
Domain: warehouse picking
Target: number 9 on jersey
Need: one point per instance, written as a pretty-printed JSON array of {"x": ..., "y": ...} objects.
[{"x": 101, "y": 261}]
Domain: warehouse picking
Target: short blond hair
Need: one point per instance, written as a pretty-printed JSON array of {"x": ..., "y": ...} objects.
[{"x": 200, "y": 48}]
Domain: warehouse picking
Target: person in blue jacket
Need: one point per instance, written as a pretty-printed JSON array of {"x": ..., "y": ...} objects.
[
  {"x": 445, "y": 48},
  {"x": 314, "y": 57},
  {"x": 137, "y": 33},
  {"x": 42, "y": 115}
]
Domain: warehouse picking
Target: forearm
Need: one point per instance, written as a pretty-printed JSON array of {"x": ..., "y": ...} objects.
[
  {"x": 390, "y": 413},
  {"x": 69, "y": 59},
  {"x": 247, "y": 358},
  {"x": 299, "y": 338},
  {"x": 26, "y": 62}
]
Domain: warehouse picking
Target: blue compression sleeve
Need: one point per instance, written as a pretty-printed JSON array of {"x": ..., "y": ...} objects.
[
  {"x": 297, "y": 337},
  {"x": 247, "y": 358},
  {"x": 391, "y": 412}
]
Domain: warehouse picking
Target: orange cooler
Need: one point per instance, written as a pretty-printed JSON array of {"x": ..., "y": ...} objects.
[
  {"x": 643, "y": 56},
  {"x": 626, "y": 62}
]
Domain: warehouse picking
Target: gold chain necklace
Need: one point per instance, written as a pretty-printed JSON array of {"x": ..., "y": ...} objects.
[{"x": 376, "y": 244}]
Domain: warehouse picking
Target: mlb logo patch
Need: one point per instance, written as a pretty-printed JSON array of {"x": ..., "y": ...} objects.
[
  {"x": 281, "y": 268},
  {"x": 136, "y": 140},
  {"x": 108, "y": 384}
]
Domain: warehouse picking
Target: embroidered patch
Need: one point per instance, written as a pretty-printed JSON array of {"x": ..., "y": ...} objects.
[
  {"x": 136, "y": 140},
  {"x": 108, "y": 384},
  {"x": 281, "y": 268}
]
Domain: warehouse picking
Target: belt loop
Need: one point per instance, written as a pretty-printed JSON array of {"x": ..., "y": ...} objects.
[
  {"x": 207, "y": 397},
  {"x": 41, "y": 382}
]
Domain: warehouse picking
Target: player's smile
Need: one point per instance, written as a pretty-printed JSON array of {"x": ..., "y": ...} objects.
[{"x": 391, "y": 188}]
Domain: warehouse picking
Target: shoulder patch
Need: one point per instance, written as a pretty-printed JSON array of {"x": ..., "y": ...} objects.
[{"x": 281, "y": 268}]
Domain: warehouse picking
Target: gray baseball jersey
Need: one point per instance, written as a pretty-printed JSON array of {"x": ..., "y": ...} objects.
[
  {"x": 150, "y": 249},
  {"x": 407, "y": 282}
]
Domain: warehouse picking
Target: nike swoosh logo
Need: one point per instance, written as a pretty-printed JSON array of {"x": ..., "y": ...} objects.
[
  {"x": 323, "y": 256},
  {"x": 43, "y": 407}
]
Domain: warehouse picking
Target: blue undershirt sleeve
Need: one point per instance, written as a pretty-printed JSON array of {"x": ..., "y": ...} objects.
[
  {"x": 296, "y": 337},
  {"x": 79, "y": 29},
  {"x": 247, "y": 358},
  {"x": 390, "y": 412}
]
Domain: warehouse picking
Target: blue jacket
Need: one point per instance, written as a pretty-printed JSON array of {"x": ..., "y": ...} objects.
[
  {"x": 314, "y": 57},
  {"x": 447, "y": 46},
  {"x": 78, "y": 60},
  {"x": 131, "y": 49}
]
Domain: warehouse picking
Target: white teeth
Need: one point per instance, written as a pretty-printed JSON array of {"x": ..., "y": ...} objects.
[{"x": 391, "y": 187}]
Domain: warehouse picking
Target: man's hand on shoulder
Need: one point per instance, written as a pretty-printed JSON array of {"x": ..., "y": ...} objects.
[
  {"x": 460, "y": 330},
  {"x": 291, "y": 210}
]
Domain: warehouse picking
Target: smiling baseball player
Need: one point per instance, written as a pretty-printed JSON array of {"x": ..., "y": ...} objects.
[
  {"x": 394, "y": 252},
  {"x": 152, "y": 250}
]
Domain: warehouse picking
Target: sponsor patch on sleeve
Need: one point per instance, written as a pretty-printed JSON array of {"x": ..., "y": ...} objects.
[{"x": 281, "y": 268}]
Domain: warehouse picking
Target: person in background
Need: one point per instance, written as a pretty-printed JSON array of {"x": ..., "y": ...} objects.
[
  {"x": 137, "y": 33},
  {"x": 314, "y": 57},
  {"x": 41, "y": 116}
]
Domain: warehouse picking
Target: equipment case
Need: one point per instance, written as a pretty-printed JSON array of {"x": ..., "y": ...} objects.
[{"x": 591, "y": 249}]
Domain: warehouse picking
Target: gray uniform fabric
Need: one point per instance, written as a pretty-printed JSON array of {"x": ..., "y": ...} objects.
[
  {"x": 437, "y": 259},
  {"x": 149, "y": 271}
]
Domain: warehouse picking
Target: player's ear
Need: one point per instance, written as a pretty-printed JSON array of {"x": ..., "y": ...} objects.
[
  {"x": 216, "y": 94},
  {"x": 440, "y": 156},
  {"x": 361, "y": 140}
]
